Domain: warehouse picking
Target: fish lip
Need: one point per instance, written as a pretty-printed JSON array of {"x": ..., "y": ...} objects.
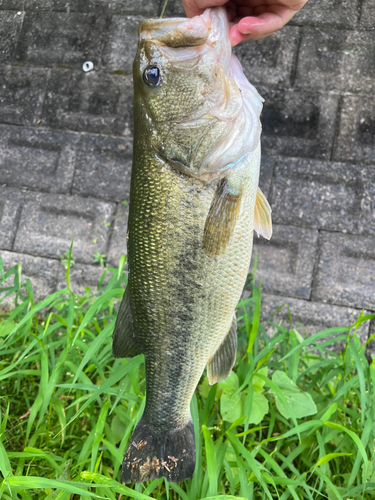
[{"x": 175, "y": 32}]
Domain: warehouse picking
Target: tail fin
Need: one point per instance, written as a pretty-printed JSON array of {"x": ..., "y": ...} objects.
[{"x": 153, "y": 453}]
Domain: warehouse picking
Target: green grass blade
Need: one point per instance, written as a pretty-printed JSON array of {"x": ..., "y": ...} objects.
[
  {"x": 94, "y": 308},
  {"x": 211, "y": 461}
]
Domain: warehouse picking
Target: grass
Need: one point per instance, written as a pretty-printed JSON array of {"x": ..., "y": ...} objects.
[{"x": 294, "y": 420}]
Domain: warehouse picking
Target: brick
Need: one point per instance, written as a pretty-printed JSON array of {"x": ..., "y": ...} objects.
[
  {"x": 146, "y": 8},
  {"x": 367, "y": 19},
  {"x": 335, "y": 59},
  {"x": 49, "y": 223},
  {"x": 10, "y": 23},
  {"x": 335, "y": 14},
  {"x": 346, "y": 270},
  {"x": 103, "y": 168},
  {"x": 61, "y": 39},
  {"x": 11, "y": 5},
  {"x": 310, "y": 317},
  {"x": 118, "y": 241},
  {"x": 22, "y": 91},
  {"x": 270, "y": 60},
  {"x": 121, "y": 47},
  {"x": 89, "y": 102},
  {"x": 50, "y": 5},
  {"x": 38, "y": 159},
  {"x": 285, "y": 263},
  {"x": 324, "y": 195},
  {"x": 298, "y": 123},
  {"x": 10, "y": 209},
  {"x": 356, "y": 139},
  {"x": 81, "y": 276},
  {"x": 266, "y": 172},
  {"x": 41, "y": 272}
]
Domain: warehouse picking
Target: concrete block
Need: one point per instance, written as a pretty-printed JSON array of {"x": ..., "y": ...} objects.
[
  {"x": 11, "y": 5},
  {"x": 345, "y": 272},
  {"x": 41, "y": 272},
  {"x": 309, "y": 318},
  {"x": 103, "y": 168},
  {"x": 81, "y": 276},
  {"x": 146, "y": 8},
  {"x": 11, "y": 23},
  {"x": 38, "y": 159},
  {"x": 285, "y": 263},
  {"x": 266, "y": 172},
  {"x": 121, "y": 47},
  {"x": 49, "y": 5},
  {"x": 49, "y": 223},
  {"x": 336, "y": 60},
  {"x": 89, "y": 102},
  {"x": 62, "y": 39},
  {"x": 367, "y": 19},
  {"x": 356, "y": 139},
  {"x": 10, "y": 209},
  {"x": 271, "y": 60},
  {"x": 22, "y": 93},
  {"x": 324, "y": 195},
  {"x": 338, "y": 14},
  {"x": 298, "y": 123},
  {"x": 118, "y": 241}
]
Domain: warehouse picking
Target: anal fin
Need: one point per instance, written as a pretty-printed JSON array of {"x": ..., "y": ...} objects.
[
  {"x": 262, "y": 216},
  {"x": 124, "y": 341},
  {"x": 221, "y": 363},
  {"x": 221, "y": 220}
]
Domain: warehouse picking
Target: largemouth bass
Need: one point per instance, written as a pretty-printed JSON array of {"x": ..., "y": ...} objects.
[{"x": 194, "y": 203}]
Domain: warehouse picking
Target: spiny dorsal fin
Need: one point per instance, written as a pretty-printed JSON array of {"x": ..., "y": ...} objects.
[
  {"x": 262, "y": 216},
  {"x": 221, "y": 220},
  {"x": 221, "y": 363}
]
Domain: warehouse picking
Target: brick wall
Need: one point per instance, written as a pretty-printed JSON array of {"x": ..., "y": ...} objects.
[{"x": 66, "y": 142}]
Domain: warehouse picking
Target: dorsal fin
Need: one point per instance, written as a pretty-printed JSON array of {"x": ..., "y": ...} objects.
[{"x": 262, "y": 216}]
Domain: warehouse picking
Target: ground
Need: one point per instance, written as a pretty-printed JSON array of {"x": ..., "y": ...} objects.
[{"x": 66, "y": 147}]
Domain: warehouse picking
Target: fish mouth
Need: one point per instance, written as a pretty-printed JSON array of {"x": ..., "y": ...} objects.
[{"x": 210, "y": 29}]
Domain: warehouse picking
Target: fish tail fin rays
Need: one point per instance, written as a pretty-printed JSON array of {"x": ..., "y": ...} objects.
[
  {"x": 262, "y": 216},
  {"x": 124, "y": 341},
  {"x": 221, "y": 363},
  {"x": 153, "y": 454},
  {"x": 221, "y": 220}
]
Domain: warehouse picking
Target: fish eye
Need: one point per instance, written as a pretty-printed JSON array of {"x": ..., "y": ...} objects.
[{"x": 152, "y": 75}]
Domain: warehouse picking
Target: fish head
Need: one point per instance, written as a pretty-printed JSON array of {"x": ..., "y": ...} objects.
[{"x": 193, "y": 96}]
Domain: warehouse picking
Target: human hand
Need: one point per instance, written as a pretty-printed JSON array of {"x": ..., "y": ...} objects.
[{"x": 250, "y": 19}]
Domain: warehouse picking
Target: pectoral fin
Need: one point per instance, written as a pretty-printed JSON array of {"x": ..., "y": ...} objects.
[
  {"x": 124, "y": 341},
  {"x": 262, "y": 216},
  {"x": 221, "y": 220},
  {"x": 221, "y": 363}
]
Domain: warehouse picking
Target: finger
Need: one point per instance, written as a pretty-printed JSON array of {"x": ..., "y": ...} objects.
[
  {"x": 197, "y": 7},
  {"x": 266, "y": 23},
  {"x": 237, "y": 37}
]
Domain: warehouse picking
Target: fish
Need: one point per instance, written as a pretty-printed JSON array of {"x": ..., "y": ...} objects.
[{"x": 194, "y": 204}]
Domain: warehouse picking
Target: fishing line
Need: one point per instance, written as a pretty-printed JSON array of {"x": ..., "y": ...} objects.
[{"x": 163, "y": 9}]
